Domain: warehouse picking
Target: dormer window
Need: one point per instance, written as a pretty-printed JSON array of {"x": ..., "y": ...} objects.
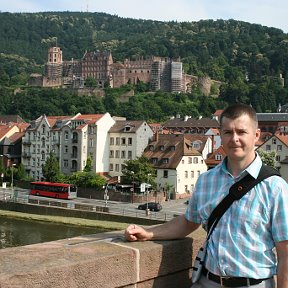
[
  {"x": 154, "y": 160},
  {"x": 151, "y": 147},
  {"x": 127, "y": 128},
  {"x": 173, "y": 148},
  {"x": 165, "y": 160},
  {"x": 161, "y": 147},
  {"x": 218, "y": 157}
]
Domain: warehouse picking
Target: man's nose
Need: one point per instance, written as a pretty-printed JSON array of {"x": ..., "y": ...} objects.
[{"x": 235, "y": 137}]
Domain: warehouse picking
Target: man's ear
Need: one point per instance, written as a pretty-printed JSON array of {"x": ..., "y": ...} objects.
[{"x": 258, "y": 133}]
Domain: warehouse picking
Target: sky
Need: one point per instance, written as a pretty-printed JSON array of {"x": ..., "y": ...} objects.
[{"x": 271, "y": 13}]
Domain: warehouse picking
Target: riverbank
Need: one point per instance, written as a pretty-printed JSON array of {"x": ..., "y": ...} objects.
[{"x": 107, "y": 225}]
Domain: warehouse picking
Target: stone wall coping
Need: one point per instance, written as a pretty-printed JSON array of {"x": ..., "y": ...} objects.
[{"x": 98, "y": 260}]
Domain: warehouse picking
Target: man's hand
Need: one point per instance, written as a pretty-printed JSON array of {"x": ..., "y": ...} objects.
[{"x": 137, "y": 233}]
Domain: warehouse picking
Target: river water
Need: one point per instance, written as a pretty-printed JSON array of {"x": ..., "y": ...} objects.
[{"x": 18, "y": 232}]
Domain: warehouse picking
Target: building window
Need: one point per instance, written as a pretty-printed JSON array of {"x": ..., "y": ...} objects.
[
  {"x": 195, "y": 160},
  {"x": 186, "y": 174},
  {"x": 279, "y": 147},
  {"x": 274, "y": 141},
  {"x": 65, "y": 163},
  {"x": 162, "y": 147},
  {"x": 112, "y": 141},
  {"x": 111, "y": 167},
  {"x": 66, "y": 135},
  {"x": 192, "y": 188},
  {"x": 129, "y": 141},
  {"x": 198, "y": 173},
  {"x": 117, "y": 167},
  {"x": 75, "y": 137},
  {"x": 129, "y": 155},
  {"x": 91, "y": 142},
  {"x": 111, "y": 154},
  {"x": 117, "y": 141},
  {"x": 123, "y": 141},
  {"x": 218, "y": 157},
  {"x": 154, "y": 160},
  {"x": 65, "y": 149},
  {"x": 192, "y": 174},
  {"x": 189, "y": 160},
  {"x": 186, "y": 188},
  {"x": 165, "y": 173},
  {"x": 117, "y": 155},
  {"x": 268, "y": 147},
  {"x": 123, "y": 154},
  {"x": 278, "y": 158},
  {"x": 165, "y": 160}
]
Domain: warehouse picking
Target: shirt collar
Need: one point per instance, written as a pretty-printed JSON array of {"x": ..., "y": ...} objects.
[{"x": 253, "y": 169}]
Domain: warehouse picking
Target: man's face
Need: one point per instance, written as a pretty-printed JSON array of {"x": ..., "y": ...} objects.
[{"x": 239, "y": 137}]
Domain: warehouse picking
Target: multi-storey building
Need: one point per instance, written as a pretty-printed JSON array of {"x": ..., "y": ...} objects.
[
  {"x": 97, "y": 65},
  {"x": 128, "y": 139},
  {"x": 71, "y": 139},
  {"x": 178, "y": 164},
  {"x": 42, "y": 137},
  {"x": 278, "y": 143}
]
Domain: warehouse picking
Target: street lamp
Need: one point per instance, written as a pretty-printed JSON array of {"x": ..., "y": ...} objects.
[
  {"x": 133, "y": 188},
  {"x": 106, "y": 197},
  {"x": 2, "y": 174},
  {"x": 147, "y": 209},
  {"x": 12, "y": 181}
]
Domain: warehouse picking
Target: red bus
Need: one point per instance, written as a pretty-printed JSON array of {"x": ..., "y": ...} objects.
[{"x": 55, "y": 190}]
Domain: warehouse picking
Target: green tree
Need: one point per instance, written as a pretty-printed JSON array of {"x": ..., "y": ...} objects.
[
  {"x": 88, "y": 166},
  {"x": 268, "y": 157},
  {"x": 21, "y": 172},
  {"x": 91, "y": 82},
  {"x": 139, "y": 170},
  {"x": 50, "y": 169},
  {"x": 86, "y": 179}
]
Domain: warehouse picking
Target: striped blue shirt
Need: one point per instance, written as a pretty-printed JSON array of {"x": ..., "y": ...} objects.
[{"x": 242, "y": 242}]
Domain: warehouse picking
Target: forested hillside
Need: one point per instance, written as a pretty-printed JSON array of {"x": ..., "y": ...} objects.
[{"x": 248, "y": 58}]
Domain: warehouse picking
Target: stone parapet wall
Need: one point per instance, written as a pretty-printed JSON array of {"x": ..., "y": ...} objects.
[{"x": 100, "y": 260}]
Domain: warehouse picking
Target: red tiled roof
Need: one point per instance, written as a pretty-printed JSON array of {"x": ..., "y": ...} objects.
[
  {"x": 211, "y": 160},
  {"x": 169, "y": 146},
  {"x": 53, "y": 119},
  {"x": 218, "y": 112},
  {"x": 282, "y": 137},
  {"x": 16, "y": 136},
  {"x": 89, "y": 118}
]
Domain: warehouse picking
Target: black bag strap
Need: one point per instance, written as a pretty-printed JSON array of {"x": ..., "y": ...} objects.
[{"x": 236, "y": 192}]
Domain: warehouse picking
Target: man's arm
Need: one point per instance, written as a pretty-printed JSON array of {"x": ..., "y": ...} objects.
[
  {"x": 282, "y": 268},
  {"x": 177, "y": 228}
]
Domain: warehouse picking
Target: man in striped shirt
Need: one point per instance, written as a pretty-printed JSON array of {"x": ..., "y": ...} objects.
[{"x": 240, "y": 249}]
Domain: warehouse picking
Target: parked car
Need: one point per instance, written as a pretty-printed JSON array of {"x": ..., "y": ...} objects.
[{"x": 152, "y": 206}]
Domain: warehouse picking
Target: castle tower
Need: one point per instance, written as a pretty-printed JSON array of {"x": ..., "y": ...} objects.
[{"x": 54, "y": 67}]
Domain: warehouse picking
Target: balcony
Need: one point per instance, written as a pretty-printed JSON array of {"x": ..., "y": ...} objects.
[
  {"x": 26, "y": 142},
  {"x": 26, "y": 155}
]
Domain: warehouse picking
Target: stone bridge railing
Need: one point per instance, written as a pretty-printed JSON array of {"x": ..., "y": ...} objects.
[{"x": 100, "y": 260}]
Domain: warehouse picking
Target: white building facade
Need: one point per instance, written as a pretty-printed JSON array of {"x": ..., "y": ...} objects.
[{"x": 128, "y": 139}]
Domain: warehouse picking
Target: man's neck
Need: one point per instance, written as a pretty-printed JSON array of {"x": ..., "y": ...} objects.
[{"x": 237, "y": 167}]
